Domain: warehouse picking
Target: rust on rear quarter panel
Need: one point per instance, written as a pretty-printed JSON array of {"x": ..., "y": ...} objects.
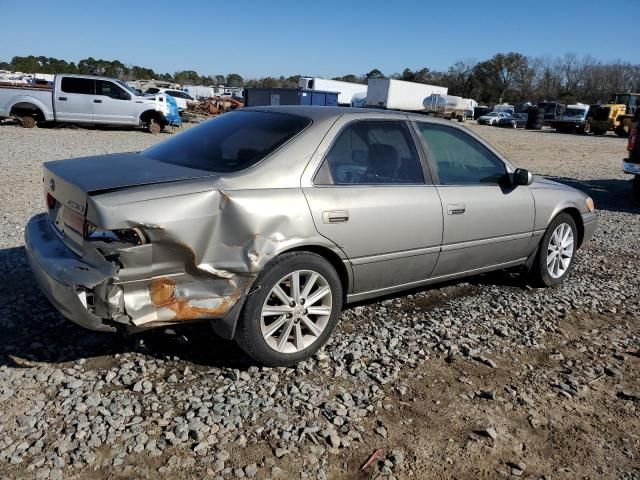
[{"x": 162, "y": 292}]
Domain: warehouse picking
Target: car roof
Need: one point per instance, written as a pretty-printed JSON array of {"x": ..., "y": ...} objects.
[{"x": 317, "y": 112}]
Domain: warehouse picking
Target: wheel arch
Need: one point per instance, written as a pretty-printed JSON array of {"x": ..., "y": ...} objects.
[
  {"x": 226, "y": 327},
  {"x": 343, "y": 271},
  {"x": 577, "y": 218},
  {"x": 152, "y": 114},
  {"x": 30, "y": 105}
]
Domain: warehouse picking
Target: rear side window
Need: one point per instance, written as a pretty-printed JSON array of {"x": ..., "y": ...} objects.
[
  {"x": 372, "y": 152},
  {"x": 77, "y": 85},
  {"x": 459, "y": 158},
  {"x": 152, "y": 90},
  {"x": 229, "y": 143}
]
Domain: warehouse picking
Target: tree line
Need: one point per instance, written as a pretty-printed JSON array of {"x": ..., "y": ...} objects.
[{"x": 508, "y": 77}]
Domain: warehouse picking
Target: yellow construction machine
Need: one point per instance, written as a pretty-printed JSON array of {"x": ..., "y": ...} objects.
[{"x": 617, "y": 115}]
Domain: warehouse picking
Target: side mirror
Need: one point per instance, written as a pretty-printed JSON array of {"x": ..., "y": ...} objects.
[{"x": 522, "y": 176}]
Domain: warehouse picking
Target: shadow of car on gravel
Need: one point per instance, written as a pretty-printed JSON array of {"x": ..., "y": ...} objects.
[
  {"x": 33, "y": 331},
  {"x": 611, "y": 194}
]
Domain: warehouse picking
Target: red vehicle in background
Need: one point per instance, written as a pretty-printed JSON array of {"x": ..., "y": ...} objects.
[{"x": 631, "y": 165}]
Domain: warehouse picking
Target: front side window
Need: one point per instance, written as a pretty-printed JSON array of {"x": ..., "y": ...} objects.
[
  {"x": 459, "y": 158},
  {"x": 110, "y": 89},
  {"x": 83, "y": 86},
  {"x": 372, "y": 152},
  {"x": 229, "y": 143}
]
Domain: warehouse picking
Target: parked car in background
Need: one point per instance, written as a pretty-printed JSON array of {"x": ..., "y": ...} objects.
[
  {"x": 573, "y": 120},
  {"x": 181, "y": 97},
  {"x": 517, "y": 120},
  {"x": 84, "y": 99},
  {"x": 631, "y": 165},
  {"x": 266, "y": 221},
  {"x": 492, "y": 118}
]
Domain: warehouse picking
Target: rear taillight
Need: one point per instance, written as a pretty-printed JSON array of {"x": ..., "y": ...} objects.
[
  {"x": 633, "y": 138},
  {"x": 51, "y": 202}
]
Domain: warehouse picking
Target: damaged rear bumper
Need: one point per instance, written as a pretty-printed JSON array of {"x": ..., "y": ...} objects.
[
  {"x": 62, "y": 275},
  {"x": 103, "y": 295}
]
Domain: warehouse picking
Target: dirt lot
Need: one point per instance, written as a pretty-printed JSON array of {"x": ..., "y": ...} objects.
[{"x": 486, "y": 378}]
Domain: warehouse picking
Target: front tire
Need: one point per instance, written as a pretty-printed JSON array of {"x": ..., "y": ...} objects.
[
  {"x": 28, "y": 121},
  {"x": 153, "y": 127},
  {"x": 556, "y": 252},
  {"x": 292, "y": 308}
]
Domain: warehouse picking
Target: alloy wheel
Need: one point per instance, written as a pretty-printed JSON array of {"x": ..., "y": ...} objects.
[
  {"x": 296, "y": 311},
  {"x": 560, "y": 250}
]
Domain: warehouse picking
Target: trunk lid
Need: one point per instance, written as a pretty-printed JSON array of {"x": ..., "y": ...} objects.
[{"x": 71, "y": 181}]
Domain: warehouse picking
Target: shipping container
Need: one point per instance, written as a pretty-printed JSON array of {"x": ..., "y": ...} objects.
[
  {"x": 347, "y": 91},
  {"x": 400, "y": 95},
  {"x": 260, "y": 97}
]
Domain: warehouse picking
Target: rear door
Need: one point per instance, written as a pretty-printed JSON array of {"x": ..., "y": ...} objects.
[
  {"x": 372, "y": 197},
  {"x": 112, "y": 104},
  {"x": 487, "y": 221},
  {"x": 73, "y": 99}
]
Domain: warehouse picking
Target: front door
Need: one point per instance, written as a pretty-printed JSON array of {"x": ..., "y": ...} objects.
[
  {"x": 112, "y": 104},
  {"x": 370, "y": 197},
  {"x": 487, "y": 221},
  {"x": 73, "y": 100}
]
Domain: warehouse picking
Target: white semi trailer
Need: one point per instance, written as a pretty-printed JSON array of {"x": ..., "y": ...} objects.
[
  {"x": 400, "y": 95},
  {"x": 347, "y": 91}
]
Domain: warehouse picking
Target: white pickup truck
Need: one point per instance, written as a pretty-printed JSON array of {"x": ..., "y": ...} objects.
[{"x": 83, "y": 99}]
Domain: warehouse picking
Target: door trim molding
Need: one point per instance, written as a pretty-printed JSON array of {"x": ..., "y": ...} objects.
[
  {"x": 485, "y": 241},
  {"x": 394, "y": 255}
]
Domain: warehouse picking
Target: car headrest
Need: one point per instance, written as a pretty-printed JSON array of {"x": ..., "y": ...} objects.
[{"x": 383, "y": 159}]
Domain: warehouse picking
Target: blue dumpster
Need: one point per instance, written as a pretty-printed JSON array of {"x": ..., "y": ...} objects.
[{"x": 260, "y": 97}]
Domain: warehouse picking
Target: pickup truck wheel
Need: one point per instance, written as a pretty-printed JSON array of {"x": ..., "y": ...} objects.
[
  {"x": 153, "y": 127},
  {"x": 556, "y": 252},
  {"x": 28, "y": 121},
  {"x": 292, "y": 308}
]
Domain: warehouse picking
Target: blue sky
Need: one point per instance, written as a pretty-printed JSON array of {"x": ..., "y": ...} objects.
[{"x": 324, "y": 38}]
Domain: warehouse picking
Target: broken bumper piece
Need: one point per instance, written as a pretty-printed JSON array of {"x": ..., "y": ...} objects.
[{"x": 63, "y": 276}]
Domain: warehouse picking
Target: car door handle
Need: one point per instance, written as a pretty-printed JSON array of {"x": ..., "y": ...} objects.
[
  {"x": 456, "y": 209},
  {"x": 335, "y": 216},
  {"x": 95, "y": 100},
  {"x": 62, "y": 99}
]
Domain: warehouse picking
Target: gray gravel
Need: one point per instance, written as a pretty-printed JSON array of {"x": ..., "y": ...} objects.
[{"x": 75, "y": 402}]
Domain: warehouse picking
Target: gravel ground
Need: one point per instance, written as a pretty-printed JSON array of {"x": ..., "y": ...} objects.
[{"x": 482, "y": 379}]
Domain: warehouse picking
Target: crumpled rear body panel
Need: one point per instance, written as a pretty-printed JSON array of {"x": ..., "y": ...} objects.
[{"x": 203, "y": 250}]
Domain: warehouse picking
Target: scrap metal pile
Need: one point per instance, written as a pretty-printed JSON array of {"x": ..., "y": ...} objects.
[{"x": 213, "y": 106}]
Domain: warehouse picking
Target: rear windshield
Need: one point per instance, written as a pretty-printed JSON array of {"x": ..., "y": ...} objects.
[{"x": 229, "y": 143}]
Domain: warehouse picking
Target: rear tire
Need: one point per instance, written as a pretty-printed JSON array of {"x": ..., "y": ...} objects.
[
  {"x": 556, "y": 252},
  {"x": 277, "y": 329}
]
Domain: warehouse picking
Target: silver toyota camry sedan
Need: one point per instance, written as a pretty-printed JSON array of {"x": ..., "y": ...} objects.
[{"x": 267, "y": 221}]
